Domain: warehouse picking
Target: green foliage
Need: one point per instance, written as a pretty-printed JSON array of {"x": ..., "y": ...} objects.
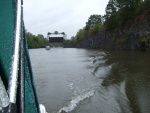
[
  {"x": 97, "y": 28},
  {"x": 80, "y": 34},
  {"x": 93, "y": 21},
  {"x": 119, "y": 12},
  {"x": 66, "y": 42},
  {"x": 35, "y": 41},
  {"x": 93, "y": 25}
]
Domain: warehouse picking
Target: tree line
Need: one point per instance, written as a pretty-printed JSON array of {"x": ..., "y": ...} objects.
[
  {"x": 35, "y": 41},
  {"x": 117, "y": 13}
]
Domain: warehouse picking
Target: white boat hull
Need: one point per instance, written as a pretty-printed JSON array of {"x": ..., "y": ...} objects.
[{"x": 47, "y": 48}]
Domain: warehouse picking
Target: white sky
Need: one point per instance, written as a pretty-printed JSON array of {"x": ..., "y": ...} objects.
[{"x": 43, "y": 16}]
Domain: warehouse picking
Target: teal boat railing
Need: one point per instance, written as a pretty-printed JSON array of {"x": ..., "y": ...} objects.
[{"x": 16, "y": 78}]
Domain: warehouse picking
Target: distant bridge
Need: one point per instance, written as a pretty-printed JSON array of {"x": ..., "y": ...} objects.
[{"x": 56, "y": 37}]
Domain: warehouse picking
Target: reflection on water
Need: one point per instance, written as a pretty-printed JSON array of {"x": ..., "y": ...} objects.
[
  {"x": 92, "y": 81},
  {"x": 133, "y": 68}
]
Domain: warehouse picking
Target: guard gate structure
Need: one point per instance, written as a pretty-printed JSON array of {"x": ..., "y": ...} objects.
[{"x": 56, "y": 37}]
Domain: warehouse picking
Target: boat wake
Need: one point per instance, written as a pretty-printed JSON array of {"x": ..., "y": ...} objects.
[{"x": 75, "y": 101}]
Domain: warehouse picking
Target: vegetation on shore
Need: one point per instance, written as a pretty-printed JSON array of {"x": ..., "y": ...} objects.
[
  {"x": 39, "y": 41},
  {"x": 118, "y": 13},
  {"x": 35, "y": 41}
]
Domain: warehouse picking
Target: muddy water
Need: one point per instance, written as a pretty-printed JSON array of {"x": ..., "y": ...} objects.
[{"x": 92, "y": 81}]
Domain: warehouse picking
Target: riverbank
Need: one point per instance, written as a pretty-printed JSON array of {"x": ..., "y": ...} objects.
[{"x": 134, "y": 35}]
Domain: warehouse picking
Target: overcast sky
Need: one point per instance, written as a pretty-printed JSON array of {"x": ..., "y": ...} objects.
[{"x": 43, "y": 16}]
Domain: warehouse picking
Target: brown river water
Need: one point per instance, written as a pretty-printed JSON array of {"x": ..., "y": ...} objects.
[{"x": 72, "y": 80}]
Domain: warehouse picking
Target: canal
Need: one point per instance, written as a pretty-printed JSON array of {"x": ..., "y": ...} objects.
[{"x": 70, "y": 80}]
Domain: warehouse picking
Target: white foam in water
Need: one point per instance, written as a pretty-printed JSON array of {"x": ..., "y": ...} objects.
[
  {"x": 74, "y": 102},
  {"x": 71, "y": 86}
]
